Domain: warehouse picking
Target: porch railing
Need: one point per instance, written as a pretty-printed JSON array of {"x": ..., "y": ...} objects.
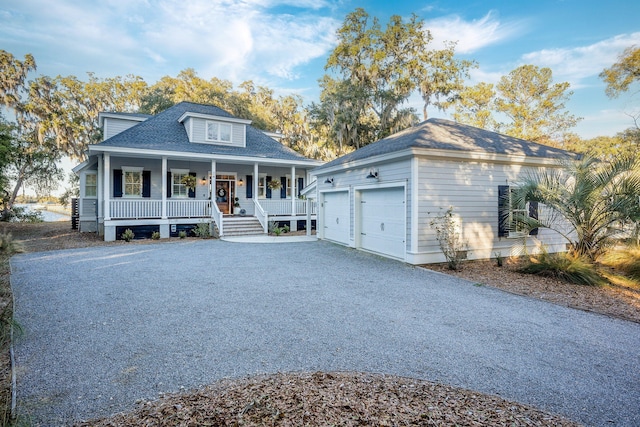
[
  {"x": 261, "y": 215},
  {"x": 188, "y": 208},
  {"x": 136, "y": 209},
  {"x": 217, "y": 218},
  {"x": 283, "y": 207}
]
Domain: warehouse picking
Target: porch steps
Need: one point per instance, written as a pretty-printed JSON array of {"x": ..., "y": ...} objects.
[{"x": 242, "y": 226}]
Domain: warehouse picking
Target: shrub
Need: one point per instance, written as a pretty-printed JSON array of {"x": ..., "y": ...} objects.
[
  {"x": 202, "y": 230},
  {"x": 626, "y": 260},
  {"x": 20, "y": 214},
  {"x": 182, "y": 234},
  {"x": 499, "y": 259},
  {"x": 155, "y": 235},
  {"x": 128, "y": 235},
  {"x": 272, "y": 226},
  {"x": 450, "y": 239},
  {"x": 8, "y": 245},
  {"x": 568, "y": 268},
  {"x": 277, "y": 231},
  {"x": 286, "y": 228}
]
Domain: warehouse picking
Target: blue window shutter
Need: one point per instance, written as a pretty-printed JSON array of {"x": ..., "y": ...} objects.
[
  {"x": 146, "y": 183},
  {"x": 117, "y": 183},
  {"x": 249, "y": 186},
  {"x": 268, "y": 190},
  {"x": 300, "y": 185},
  {"x": 283, "y": 187},
  {"x": 533, "y": 213},
  {"x": 503, "y": 210},
  {"x": 169, "y": 184},
  {"x": 192, "y": 191}
]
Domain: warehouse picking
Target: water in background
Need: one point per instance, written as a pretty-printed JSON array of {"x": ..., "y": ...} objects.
[{"x": 48, "y": 216}]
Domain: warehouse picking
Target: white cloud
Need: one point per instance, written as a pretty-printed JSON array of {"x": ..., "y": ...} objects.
[
  {"x": 575, "y": 64},
  {"x": 230, "y": 39},
  {"x": 473, "y": 35}
]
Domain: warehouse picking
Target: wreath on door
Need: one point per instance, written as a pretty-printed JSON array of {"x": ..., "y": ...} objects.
[{"x": 222, "y": 192}]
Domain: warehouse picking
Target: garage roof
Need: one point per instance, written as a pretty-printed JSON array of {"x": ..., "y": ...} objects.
[{"x": 441, "y": 134}]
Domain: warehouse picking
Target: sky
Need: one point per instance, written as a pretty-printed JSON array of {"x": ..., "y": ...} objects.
[{"x": 284, "y": 44}]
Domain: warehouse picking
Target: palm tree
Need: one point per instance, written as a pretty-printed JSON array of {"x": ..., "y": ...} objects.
[{"x": 585, "y": 200}]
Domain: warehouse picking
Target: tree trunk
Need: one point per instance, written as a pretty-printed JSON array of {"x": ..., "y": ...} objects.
[
  {"x": 16, "y": 189},
  {"x": 424, "y": 111}
]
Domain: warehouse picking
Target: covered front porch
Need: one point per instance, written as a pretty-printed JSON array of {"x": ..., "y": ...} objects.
[{"x": 149, "y": 192}]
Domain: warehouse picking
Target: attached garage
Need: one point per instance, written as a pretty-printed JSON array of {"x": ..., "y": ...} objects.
[
  {"x": 380, "y": 221},
  {"x": 335, "y": 216}
]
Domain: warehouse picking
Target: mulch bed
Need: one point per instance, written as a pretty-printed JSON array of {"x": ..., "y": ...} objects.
[{"x": 326, "y": 399}]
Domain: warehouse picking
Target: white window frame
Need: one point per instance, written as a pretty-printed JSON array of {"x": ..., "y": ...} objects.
[
  {"x": 131, "y": 170},
  {"x": 261, "y": 186},
  {"x": 94, "y": 186},
  {"x": 513, "y": 224},
  {"x": 181, "y": 172},
  {"x": 218, "y": 132}
]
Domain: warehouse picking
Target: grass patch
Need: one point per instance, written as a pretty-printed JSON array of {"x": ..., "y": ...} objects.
[
  {"x": 564, "y": 267},
  {"x": 626, "y": 260}
]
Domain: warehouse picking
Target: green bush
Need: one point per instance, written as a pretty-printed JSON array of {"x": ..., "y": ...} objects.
[
  {"x": 8, "y": 245},
  {"x": 182, "y": 234},
  {"x": 155, "y": 235},
  {"x": 202, "y": 230},
  {"x": 565, "y": 267},
  {"x": 626, "y": 260},
  {"x": 128, "y": 235}
]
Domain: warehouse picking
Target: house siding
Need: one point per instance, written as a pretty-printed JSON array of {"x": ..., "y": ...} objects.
[
  {"x": 114, "y": 126},
  {"x": 198, "y": 128},
  {"x": 471, "y": 188}
]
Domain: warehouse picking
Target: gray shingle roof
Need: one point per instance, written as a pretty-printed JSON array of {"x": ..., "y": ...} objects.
[
  {"x": 164, "y": 132},
  {"x": 441, "y": 134}
]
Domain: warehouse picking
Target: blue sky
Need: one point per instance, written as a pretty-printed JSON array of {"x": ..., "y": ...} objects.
[{"x": 284, "y": 44}]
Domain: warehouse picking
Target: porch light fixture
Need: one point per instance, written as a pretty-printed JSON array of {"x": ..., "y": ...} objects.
[
  {"x": 329, "y": 181},
  {"x": 240, "y": 182},
  {"x": 204, "y": 180},
  {"x": 373, "y": 174}
]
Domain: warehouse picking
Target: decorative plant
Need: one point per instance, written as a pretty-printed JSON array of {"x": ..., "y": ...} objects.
[
  {"x": 155, "y": 235},
  {"x": 128, "y": 235},
  {"x": 499, "y": 258},
  {"x": 236, "y": 202},
  {"x": 449, "y": 238},
  {"x": 275, "y": 184},
  {"x": 202, "y": 230},
  {"x": 182, "y": 234},
  {"x": 189, "y": 181}
]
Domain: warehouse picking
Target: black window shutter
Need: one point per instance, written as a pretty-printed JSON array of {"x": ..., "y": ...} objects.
[
  {"x": 192, "y": 191},
  {"x": 169, "y": 184},
  {"x": 146, "y": 183},
  {"x": 117, "y": 183},
  {"x": 300, "y": 185},
  {"x": 249, "y": 186},
  {"x": 283, "y": 187},
  {"x": 533, "y": 213},
  {"x": 503, "y": 210},
  {"x": 268, "y": 190}
]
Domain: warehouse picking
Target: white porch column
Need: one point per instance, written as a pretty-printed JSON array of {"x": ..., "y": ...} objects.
[
  {"x": 164, "y": 187},
  {"x": 107, "y": 169},
  {"x": 100, "y": 189},
  {"x": 213, "y": 186},
  {"x": 308, "y": 202},
  {"x": 256, "y": 181},
  {"x": 294, "y": 184}
]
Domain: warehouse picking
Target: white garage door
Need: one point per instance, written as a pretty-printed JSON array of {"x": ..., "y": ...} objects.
[
  {"x": 382, "y": 221},
  {"x": 336, "y": 216}
]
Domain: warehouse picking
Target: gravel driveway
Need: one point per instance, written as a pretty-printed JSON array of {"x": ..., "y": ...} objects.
[{"x": 106, "y": 326}]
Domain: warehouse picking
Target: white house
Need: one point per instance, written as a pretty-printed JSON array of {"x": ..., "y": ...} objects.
[
  {"x": 382, "y": 197},
  {"x": 134, "y": 178}
]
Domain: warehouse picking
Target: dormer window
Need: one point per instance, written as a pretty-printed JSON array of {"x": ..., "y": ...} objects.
[{"x": 218, "y": 132}]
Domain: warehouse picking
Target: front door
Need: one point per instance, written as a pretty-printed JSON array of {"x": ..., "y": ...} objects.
[{"x": 225, "y": 189}]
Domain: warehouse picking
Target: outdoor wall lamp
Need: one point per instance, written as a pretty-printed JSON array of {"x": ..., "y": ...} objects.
[
  {"x": 240, "y": 182},
  {"x": 329, "y": 181},
  {"x": 204, "y": 180},
  {"x": 373, "y": 174}
]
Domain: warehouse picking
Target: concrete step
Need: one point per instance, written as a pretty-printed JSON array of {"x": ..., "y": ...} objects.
[{"x": 242, "y": 226}]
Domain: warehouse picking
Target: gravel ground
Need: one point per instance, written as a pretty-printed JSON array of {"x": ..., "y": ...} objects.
[{"x": 107, "y": 326}]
